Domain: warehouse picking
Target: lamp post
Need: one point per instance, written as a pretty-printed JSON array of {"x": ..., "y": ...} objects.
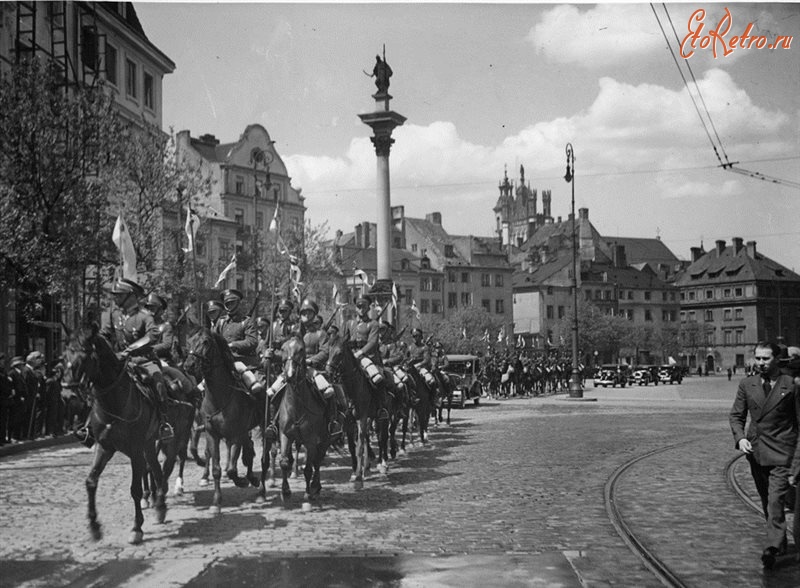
[
  {"x": 575, "y": 389},
  {"x": 258, "y": 155}
]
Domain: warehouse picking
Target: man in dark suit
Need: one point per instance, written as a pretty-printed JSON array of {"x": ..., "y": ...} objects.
[{"x": 773, "y": 403}]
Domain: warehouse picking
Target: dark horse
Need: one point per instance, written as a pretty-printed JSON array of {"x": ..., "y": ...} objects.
[
  {"x": 228, "y": 411},
  {"x": 424, "y": 401},
  {"x": 360, "y": 393},
  {"x": 301, "y": 420},
  {"x": 122, "y": 419},
  {"x": 445, "y": 396}
]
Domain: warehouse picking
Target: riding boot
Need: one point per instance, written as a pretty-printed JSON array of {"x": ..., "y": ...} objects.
[
  {"x": 334, "y": 426},
  {"x": 165, "y": 431}
]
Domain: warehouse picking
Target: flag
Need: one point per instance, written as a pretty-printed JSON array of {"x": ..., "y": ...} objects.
[
  {"x": 362, "y": 275},
  {"x": 273, "y": 224},
  {"x": 122, "y": 239},
  {"x": 520, "y": 341},
  {"x": 294, "y": 270},
  {"x": 224, "y": 274},
  {"x": 485, "y": 336},
  {"x": 282, "y": 248},
  {"x": 463, "y": 332},
  {"x": 414, "y": 308},
  {"x": 501, "y": 334},
  {"x": 192, "y": 222}
]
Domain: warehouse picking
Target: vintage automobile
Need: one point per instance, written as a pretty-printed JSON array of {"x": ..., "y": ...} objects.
[
  {"x": 612, "y": 375},
  {"x": 645, "y": 374},
  {"x": 670, "y": 374},
  {"x": 463, "y": 371}
]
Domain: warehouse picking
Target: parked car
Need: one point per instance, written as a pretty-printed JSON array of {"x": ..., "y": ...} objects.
[
  {"x": 670, "y": 374},
  {"x": 463, "y": 371},
  {"x": 612, "y": 375},
  {"x": 645, "y": 374}
]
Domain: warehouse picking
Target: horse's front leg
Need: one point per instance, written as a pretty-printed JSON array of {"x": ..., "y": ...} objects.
[
  {"x": 138, "y": 470},
  {"x": 216, "y": 472},
  {"x": 311, "y": 473},
  {"x": 266, "y": 447},
  {"x": 248, "y": 459},
  {"x": 287, "y": 462},
  {"x": 101, "y": 457},
  {"x": 234, "y": 450},
  {"x": 159, "y": 485}
]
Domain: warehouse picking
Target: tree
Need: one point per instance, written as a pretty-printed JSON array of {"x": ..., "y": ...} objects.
[
  {"x": 57, "y": 155},
  {"x": 472, "y": 321}
]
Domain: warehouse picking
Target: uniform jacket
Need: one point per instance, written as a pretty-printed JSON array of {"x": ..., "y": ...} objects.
[
  {"x": 773, "y": 419},
  {"x": 240, "y": 333},
  {"x": 166, "y": 336},
  {"x": 282, "y": 330},
  {"x": 362, "y": 335},
  {"x": 391, "y": 354},
  {"x": 122, "y": 329},
  {"x": 316, "y": 349},
  {"x": 419, "y": 355}
]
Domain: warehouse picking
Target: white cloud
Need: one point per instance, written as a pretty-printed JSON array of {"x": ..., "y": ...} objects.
[{"x": 602, "y": 35}]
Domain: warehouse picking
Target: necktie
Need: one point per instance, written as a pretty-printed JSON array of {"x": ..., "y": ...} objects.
[{"x": 767, "y": 387}]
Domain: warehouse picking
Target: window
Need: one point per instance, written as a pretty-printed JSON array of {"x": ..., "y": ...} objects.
[
  {"x": 738, "y": 313},
  {"x": 466, "y": 298},
  {"x": 425, "y": 306},
  {"x": 239, "y": 185},
  {"x": 452, "y": 300},
  {"x": 499, "y": 306},
  {"x": 561, "y": 312},
  {"x": 487, "y": 304},
  {"x": 648, "y": 315},
  {"x": 597, "y": 294},
  {"x": 630, "y": 294},
  {"x": 89, "y": 48},
  {"x": 111, "y": 64},
  {"x": 691, "y": 295},
  {"x": 587, "y": 294},
  {"x": 424, "y": 284},
  {"x": 224, "y": 250},
  {"x": 664, "y": 296},
  {"x": 436, "y": 306},
  {"x": 622, "y": 294},
  {"x": 149, "y": 100},
  {"x": 550, "y": 290},
  {"x": 709, "y": 315},
  {"x": 238, "y": 216},
  {"x": 413, "y": 247},
  {"x": 436, "y": 285},
  {"x": 629, "y": 314},
  {"x": 606, "y": 294},
  {"x": 260, "y": 220},
  {"x": 498, "y": 280},
  {"x": 683, "y": 316},
  {"x": 647, "y": 294},
  {"x": 448, "y": 251},
  {"x": 740, "y": 339},
  {"x": 451, "y": 277},
  {"x": 130, "y": 79},
  {"x": 665, "y": 316},
  {"x": 726, "y": 293},
  {"x": 465, "y": 277},
  {"x": 549, "y": 311},
  {"x": 727, "y": 337},
  {"x": 709, "y": 294},
  {"x": 692, "y": 317},
  {"x": 737, "y": 292},
  {"x": 486, "y": 280},
  {"x": 200, "y": 246},
  {"x": 727, "y": 314},
  {"x": 409, "y": 295}
]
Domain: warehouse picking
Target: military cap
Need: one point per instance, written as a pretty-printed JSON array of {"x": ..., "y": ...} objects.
[
  {"x": 362, "y": 299},
  {"x": 154, "y": 299},
  {"x": 333, "y": 326},
  {"x": 416, "y": 331},
  {"x": 386, "y": 325},
  {"x": 17, "y": 360},
  {"x": 309, "y": 305},
  {"x": 34, "y": 357},
  {"x": 213, "y": 305},
  {"x": 317, "y": 319},
  {"x": 231, "y": 293},
  {"x": 126, "y": 286}
]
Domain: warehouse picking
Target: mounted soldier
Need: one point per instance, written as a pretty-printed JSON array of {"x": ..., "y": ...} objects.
[
  {"x": 392, "y": 357},
  {"x": 214, "y": 311},
  {"x": 239, "y": 331},
  {"x": 283, "y": 327},
  {"x": 132, "y": 332},
  {"x": 419, "y": 356},
  {"x": 361, "y": 335}
]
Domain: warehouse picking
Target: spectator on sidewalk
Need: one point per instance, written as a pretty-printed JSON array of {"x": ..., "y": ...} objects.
[
  {"x": 773, "y": 403},
  {"x": 6, "y": 402},
  {"x": 19, "y": 381},
  {"x": 35, "y": 407}
]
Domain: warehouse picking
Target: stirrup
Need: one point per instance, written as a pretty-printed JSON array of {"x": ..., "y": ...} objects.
[
  {"x": 165, "y": 432},
  {"x": 383, "y": 414},
  {"x": 335, "y": 430},
  {"x": 84, "y": 435},
  {"x": 271, "y": 433}
]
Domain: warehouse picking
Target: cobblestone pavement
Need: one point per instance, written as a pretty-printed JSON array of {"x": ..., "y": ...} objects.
[{"x": 511, "y": 494}]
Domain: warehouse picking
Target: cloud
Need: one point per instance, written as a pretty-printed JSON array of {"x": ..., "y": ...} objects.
[{"x": 603, "y": 35}]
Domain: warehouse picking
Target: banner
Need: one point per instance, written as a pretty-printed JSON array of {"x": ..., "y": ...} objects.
[
  {"x": 224, "y": 274},
  {"x": 122, "y": 239},
  {"x": 192, "y": 222}
]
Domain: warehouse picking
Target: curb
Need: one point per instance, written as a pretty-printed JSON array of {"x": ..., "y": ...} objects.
[{"x": 17, "y": 448}]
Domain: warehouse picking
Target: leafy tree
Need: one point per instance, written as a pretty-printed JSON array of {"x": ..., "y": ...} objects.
[
  {"x": 57, "y": 150},
  {"x": 472, "y": 321}
]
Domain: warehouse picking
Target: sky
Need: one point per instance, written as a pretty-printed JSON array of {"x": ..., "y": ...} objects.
[{"x": 489, "y": 87}]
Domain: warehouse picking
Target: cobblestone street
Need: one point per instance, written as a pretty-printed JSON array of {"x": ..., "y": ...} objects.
[{"x": 512, "y": 493}]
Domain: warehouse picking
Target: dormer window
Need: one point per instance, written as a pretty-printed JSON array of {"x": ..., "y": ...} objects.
[
  {"x": 448, "y": 251},
  {"x": 425, "y": 263}
]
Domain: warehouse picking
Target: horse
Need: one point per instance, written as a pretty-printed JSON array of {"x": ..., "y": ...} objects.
[
  {"x": 228, "y": 410},
  {"x": 445, "y": 396},
  {"x": 122, "y": 419},
  {"x": 424, "y": 408},
  {"x": 301, "y": 419},
  {"x": 360, "y": 392}
]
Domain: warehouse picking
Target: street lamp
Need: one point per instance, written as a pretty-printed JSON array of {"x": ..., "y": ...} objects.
[{"x": 575, "y": 389}]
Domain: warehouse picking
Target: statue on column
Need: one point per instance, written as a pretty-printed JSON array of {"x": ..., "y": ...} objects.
[{"x": 381, "y": 72}]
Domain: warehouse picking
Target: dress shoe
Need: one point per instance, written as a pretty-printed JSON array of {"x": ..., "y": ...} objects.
[{"x": 768, "y": 557}]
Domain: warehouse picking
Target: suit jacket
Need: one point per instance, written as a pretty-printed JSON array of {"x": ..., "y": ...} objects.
[{"x": 773, "y": 419}]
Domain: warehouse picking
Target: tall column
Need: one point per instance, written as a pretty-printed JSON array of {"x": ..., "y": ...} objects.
[{"x": 382, "y": 122}]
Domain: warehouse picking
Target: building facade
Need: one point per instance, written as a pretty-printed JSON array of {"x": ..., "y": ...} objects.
[{"x": 731, "y": 298}]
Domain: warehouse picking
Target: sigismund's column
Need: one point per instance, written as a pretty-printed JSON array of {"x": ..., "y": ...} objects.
[{"x": 382, "y": 122}]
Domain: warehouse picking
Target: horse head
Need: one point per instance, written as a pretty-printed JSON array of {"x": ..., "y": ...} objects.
[
  {"x": 206, "y": 351},
  {"x": 84, "y": 355},
  {"x": 294, "y": 352}
]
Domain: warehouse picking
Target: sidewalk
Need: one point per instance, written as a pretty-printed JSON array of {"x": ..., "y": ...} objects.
[{"x": 40, "y": 443}]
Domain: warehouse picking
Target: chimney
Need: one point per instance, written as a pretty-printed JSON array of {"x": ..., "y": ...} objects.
[
  {"x": 620, "y": 259},
  {"x": 209, "y": 139},
  {"x": 720, "y": 247},
  {"x": 697, "y": 253},
  {"x": 435, "y": 218},
  {"x": 359, "y": 235},
  {"x": 737, "y": 245},
  {"x": 559, "y": 219},
  {"x": 366, "y": 235},
  {"x": 583, "y": 213},
  {"x": 751, "y": 249},
  {"x": 543, "y": 255}
]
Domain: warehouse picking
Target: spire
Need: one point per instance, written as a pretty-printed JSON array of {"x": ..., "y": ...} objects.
[{"x": 521, "y": 174}]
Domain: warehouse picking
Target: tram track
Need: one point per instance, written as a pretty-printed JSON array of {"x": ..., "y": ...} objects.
[
  {"x": 660, "y": 569},
  {"x": 733, "y": 484}
]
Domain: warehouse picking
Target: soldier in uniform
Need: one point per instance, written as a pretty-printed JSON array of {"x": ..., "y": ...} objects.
[
  {"x": 239, "y": 331},
  {"x": 132, "y": 332},
  {"x": 162, "y": 348},
  {"x": 214, "y": 310},
  {"x": 392, "y": 357},
  {"x": 283, "y": 327},
  {"x": 419, "y": 356},
  {"x": 361, "y": 335}
]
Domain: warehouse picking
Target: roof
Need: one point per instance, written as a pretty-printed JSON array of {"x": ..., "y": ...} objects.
[
  {"x": 435, "y": 239},
  {"x": 544, "y": 274},
  {"x": 730, "y": 266},
  {"x": 643, "y": 250}
]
